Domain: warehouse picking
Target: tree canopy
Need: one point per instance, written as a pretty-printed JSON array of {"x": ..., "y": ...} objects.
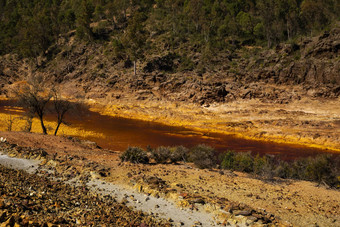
[{"x": 29, "y": 27}]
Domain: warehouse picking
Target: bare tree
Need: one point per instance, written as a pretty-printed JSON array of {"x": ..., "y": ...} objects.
[
  {"x": 34, "y": 96},
  {"x": 61, "y": 107},
  {"x": 28, "y": 117},
  {"x": 10, "y": 122}
]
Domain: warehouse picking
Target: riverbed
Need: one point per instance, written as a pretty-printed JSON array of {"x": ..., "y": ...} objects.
[{"x": 119, "y": 133}]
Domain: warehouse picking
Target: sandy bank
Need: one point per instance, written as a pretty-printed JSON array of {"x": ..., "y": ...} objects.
[
  {"x": 311, "y": 123},
  {"x": 156, "y": 206},
  {"x": 300, "y": 203}
]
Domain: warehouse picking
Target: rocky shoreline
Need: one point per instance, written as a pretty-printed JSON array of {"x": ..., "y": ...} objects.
[
  {"x": 50, "y": 184},
  {"x": 32, "y": 200},
  {"x": 175, "y": 195},
  {"x": 38, "y": 200}
]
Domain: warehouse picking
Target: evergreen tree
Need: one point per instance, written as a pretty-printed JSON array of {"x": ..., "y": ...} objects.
[
  {"x": 135, "y": 37},
  {"x": 84, "y": 17},
  {"x": 313, "y": 14},
  {"x": 29, "y": 27}
]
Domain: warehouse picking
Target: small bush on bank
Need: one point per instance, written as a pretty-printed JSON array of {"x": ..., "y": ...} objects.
[
  {"x": 203, "y": 156},
  {"x": 244, "y": 162},
  {"x": 237, "y": 161},
  {"x": 149, "y": 149},
  {"x": 260, "y": 164},
  {"x": 228, "y": 160},
  {"x": 322, "y": 168},
  {"x": 264, "y": 166},
  {"x": 318, "y": 168},
  {"x": 134, "y": 155},
  {"x": 179, "y": 154},
  {"x": 161, "y": 154},
  {"x": 298, "y": 168},
  {"x": 283, "y": 170}
]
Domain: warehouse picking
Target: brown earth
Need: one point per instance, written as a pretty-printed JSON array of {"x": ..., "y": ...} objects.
[
  {"x": 33, "y": 200},
  {"x": 300, "y": 203}
]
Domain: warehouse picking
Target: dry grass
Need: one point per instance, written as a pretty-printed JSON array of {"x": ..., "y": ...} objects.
[{"x": 65, "y": 130}]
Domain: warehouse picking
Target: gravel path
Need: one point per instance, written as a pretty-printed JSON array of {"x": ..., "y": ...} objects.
[
  {"x": 158, "y": 207},
  {"x": 28, "y": 165},
  {"x": 35, "y": 200}
]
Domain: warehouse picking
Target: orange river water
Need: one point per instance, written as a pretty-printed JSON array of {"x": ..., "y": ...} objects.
[{"x": 120, "y": 133}]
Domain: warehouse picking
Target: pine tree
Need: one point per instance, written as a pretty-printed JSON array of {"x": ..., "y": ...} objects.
[
  {"x": 135, "y": 38},
  {"x": 84, "y": 17}
]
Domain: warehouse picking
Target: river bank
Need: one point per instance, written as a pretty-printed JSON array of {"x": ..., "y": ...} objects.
[
  {"x": 119, "y": 132},
  {"x": 35, "y": 200},
  {"x": 131, "y": 202},
  {"x": 238, "y": 195},
  {"x": 307, "y": 122},
  {"x": 264, "y": 95}
]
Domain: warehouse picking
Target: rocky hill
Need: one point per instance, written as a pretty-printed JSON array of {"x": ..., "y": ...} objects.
[
  {"x": 196, "y": 51},
  {"x": 308, "y": 68},
  {"x": 285, "y": 93}
]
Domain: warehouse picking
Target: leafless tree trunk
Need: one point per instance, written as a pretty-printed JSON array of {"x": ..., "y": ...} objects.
[
  {"x": 42, "y": 124},
  {"x": 35, "y": 96},
  {"x": 9, "y": 122},
  {"x": 61, "y": 107},
  {"x": 134, "y": 68},
  {"x": 29, "y": 120}
]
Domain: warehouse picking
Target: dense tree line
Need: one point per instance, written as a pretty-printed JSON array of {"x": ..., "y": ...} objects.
[{"x": 29, "y": 27}]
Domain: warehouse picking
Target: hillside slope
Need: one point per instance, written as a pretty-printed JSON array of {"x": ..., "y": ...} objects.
[
  {"x": 289, "y": 72},
  {"x": 288, "y": 94}
]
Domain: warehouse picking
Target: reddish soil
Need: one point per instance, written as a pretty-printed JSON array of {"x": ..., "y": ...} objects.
[{"x": 300, "y": 203}]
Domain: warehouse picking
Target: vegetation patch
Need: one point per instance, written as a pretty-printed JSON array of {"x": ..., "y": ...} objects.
[
  {"x": 161, "y": 154},
  {"x": 203, "y": 156},
  {"x": 135, "y": 155},
  {"x": 323, "y": 169}
]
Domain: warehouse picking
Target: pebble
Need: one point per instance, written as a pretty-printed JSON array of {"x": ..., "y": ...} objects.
[{"x": 61, "y": 204}]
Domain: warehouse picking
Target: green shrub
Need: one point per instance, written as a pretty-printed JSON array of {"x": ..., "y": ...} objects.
[
  {"x": 203, "y": 156},
  {"x": 260, "y": 164},
  {"x": 264, "y": 166},
  {"x": 134, "y": 155},
  {"x": 161, "y": 154},
  {"x": 228, "y": 160},
  {"x": 283, "y": 170},
  {"x": 149, "y": 150},
  {"x": 298, "y": 168},
  {"x": 244, "y": 162},
  {"x": 335, "y": 172},
  {"x": 179, "y": 154},
  {"x": 319, "y": 168},
  {"x": 186, "y": 64},
  {"x": 322, "y": 169}
]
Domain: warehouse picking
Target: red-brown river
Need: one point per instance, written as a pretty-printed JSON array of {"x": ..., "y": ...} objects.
[{"x": 120, "y": 133}]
